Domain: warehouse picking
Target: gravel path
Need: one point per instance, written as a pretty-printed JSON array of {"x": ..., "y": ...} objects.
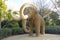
[{"x": 26, "y": 37}]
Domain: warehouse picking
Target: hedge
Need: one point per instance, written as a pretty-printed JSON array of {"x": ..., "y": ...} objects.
[
  {"x": 5, "y": 32},
  {"x": 52, "y": 29},
  {"x": 11, "y": 24}
]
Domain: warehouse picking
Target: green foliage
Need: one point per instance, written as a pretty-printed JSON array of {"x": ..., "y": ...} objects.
[
  {"x": 13, "y": 24},
  {"x": 8, "y": 14},
  {"x": 0, "y": 3},
  {"x": 17, "y": 31},
  {"x": 54, "y": 15},
  {"x": 58, "y": 22},
  {"x": 5, "y": 32},
  {"x": 14, "y": 12},
  {"x": 53, "y": 29},
  {"x": 4, "y": 6},
  {"x": 52, "y": 19},
  {"x": 9, "y": 24}
]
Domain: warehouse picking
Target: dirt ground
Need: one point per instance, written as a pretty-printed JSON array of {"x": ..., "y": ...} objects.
[{"x": 27, "y": 37}]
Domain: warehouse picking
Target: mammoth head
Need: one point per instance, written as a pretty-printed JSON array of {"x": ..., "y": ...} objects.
[{"x": 27, "y": 10}]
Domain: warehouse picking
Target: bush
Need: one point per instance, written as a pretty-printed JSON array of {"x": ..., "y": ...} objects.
[
  {"x": 17, "y": 31},
  {"x": 4, "y": 23},
  {"x": 53, "y": 29},
  {"x": 5, "y": 32},
  {"x": 9, "y": 24}
]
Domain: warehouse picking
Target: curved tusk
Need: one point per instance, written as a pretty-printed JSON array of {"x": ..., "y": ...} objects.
[{"x": 15, "y": 17}]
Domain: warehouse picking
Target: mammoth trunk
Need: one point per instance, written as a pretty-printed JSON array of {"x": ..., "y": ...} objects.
[{"x": 24, "y": 26}]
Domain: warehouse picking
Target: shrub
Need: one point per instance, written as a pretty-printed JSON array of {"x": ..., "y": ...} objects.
[
  {"x": 53, "y": 29},
  {"x": 5, "y": 32},
  {"x": 4, "y": 22},
  {"x": 9, "y": 24},
  {"x": 16, "y": 31},
  {"x": 1, "y": 34}
]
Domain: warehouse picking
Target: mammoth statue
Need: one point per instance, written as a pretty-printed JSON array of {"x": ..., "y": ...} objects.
[
  {"x": 34, "y": 18},
  {"x": 31, "y": 12}
]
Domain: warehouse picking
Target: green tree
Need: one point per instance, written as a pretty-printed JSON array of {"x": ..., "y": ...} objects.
[
  {"x": 52, "y": 19},
  {"x": 8, "y": 14},
  {"x": 54, "y": 16},
  {"x": 3, "y": 7}
]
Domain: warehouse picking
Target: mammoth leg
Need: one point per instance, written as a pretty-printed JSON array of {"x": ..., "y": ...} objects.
[
  {"x": 37, "y": 25},
  {"x": 24, "y": 25},
  {"x": 31, "y": 29},
  {"x": 43, "y": 29}
]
